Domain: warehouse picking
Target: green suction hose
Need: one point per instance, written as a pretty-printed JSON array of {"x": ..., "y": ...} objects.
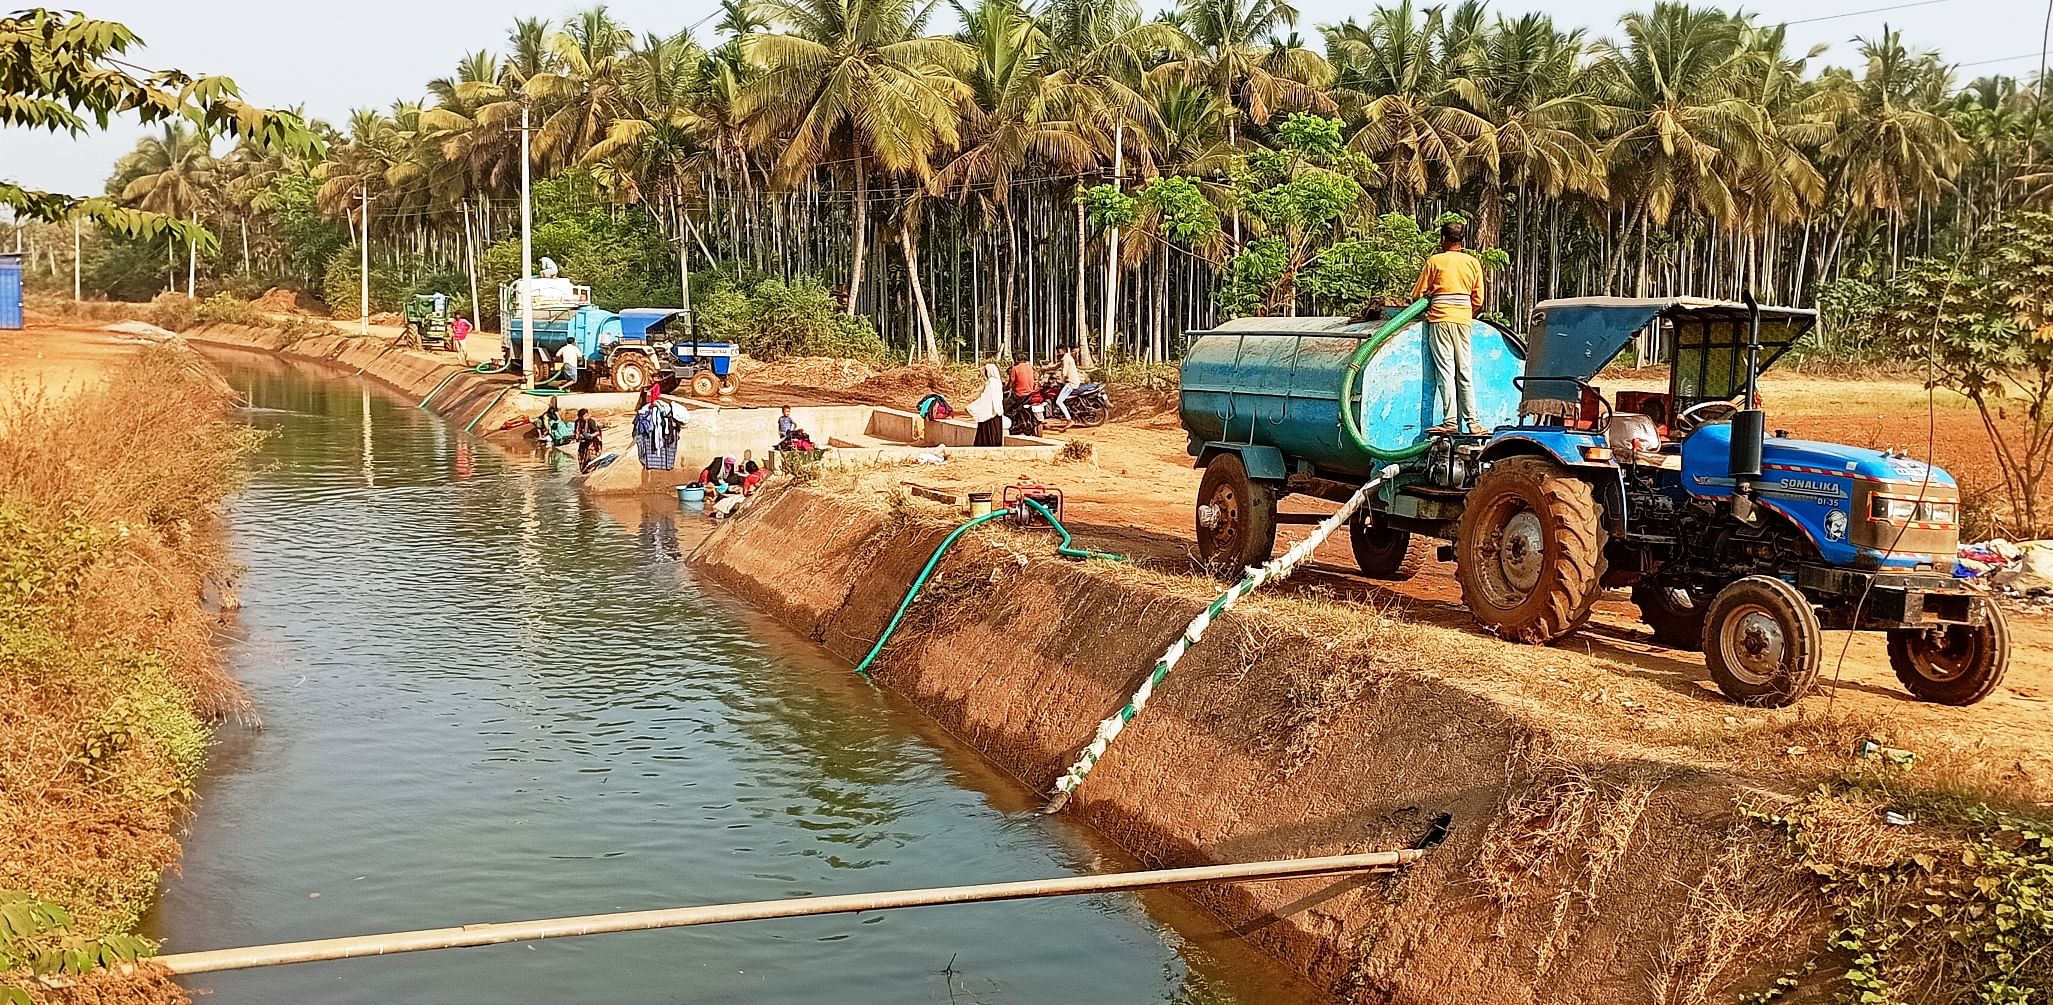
[
  {"x": 1350, "y": 423},
  {"x": 488, "y": 410},
  {"x": 1065, "y": 549},
  {"x": 919, "y": 582},
  {"x": 423, "y": 406}
]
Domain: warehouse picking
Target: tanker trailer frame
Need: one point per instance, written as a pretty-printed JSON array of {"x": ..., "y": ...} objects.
[{"x": 1740, "y": 544}]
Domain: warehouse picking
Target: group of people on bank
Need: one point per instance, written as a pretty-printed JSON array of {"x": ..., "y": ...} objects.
[{"x": 1002, "y": 392}]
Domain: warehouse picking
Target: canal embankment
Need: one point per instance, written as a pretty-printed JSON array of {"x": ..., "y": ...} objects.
[
  {"x": 114, "y": 464},
  {"x": 1579, "y": 865}
]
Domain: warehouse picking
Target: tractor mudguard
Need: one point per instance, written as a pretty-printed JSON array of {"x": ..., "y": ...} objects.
[
  {"x": 1262, "y": 463},
  {"x": 1564, "y": 447}
]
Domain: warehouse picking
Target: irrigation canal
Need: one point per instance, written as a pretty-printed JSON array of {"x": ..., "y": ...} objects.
[{"x": 484, "y": 699}]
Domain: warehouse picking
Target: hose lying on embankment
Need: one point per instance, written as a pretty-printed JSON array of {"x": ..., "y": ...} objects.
[
  {"x": 1274, "y": 569},
  {"x": 919, "y": 582}
]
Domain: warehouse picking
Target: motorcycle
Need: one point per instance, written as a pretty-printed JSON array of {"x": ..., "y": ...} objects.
[{"x": 1089, "y": 405}]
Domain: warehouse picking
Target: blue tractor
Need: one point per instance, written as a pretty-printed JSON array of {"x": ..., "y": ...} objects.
[
  {"x": 1733, "y": 541},
  {"x": 629, "y": 350}
]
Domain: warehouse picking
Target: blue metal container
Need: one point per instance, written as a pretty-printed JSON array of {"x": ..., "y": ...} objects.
[
  {"x": 10, "y": 291},
  {"x": 1276, "y": 382}
]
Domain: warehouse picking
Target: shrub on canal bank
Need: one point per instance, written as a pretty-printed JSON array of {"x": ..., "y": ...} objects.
[{"x": 108, "y": 507}]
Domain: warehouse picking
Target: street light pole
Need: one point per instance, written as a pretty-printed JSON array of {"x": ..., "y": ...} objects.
[
  {"x": 363, "y": 267},
  {"x": 527, "y": 254}
]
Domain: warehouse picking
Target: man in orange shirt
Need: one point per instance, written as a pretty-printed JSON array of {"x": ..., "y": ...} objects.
[
  {"x": 1024, "y": 380},
  {"x": 1454, "y": 279}
]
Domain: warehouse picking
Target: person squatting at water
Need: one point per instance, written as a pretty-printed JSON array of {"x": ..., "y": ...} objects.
[{"x": 587, "y": 432}]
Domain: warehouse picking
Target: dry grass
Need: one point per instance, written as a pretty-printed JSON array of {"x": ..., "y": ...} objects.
[{"x": 108, "y": 500}]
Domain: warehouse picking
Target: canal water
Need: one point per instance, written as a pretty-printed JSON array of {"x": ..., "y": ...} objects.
[{"x": 483, "y": 699}]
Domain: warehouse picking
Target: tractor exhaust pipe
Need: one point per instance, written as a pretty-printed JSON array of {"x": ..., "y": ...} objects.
[{"x": 1750, "y": 423}]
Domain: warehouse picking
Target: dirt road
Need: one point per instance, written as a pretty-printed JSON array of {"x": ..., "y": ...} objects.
[{"x": 1136, "y": 497}]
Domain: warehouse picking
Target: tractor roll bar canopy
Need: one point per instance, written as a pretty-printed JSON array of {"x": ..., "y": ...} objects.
[
  {"x": 1572, "y": 339},
  {"x": 645, "y": 322}
]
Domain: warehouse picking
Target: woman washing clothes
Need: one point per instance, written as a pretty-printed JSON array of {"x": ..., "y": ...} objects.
[{"x": 989, "y": 409}]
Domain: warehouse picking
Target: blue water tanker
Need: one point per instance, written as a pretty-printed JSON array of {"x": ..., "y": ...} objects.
[{"x": 1740, "y": 544}]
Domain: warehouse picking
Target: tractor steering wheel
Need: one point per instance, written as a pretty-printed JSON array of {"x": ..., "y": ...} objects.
[{"x": 1698, "y": 414}]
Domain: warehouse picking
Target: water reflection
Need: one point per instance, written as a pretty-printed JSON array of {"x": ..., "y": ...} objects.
[{"x": 485, "y": 700}]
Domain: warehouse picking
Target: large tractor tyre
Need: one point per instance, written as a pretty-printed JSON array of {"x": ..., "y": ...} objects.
[
  {"x": 703, "y": 384},
  {"x": 730, "y": 384},
  {"x": 1236, "y": 517},
  {"x": 1530, "y": 550},
  {"x": 1385, "y": 553},
  {"x": 632, "y": 373},
  {"x": 1953, "y": 664},
  {"x": 1761, "y": 642},
  {"x": 1677, "y": 622}
]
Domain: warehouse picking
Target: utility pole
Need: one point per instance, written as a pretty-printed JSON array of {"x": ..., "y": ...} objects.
[
  {"x": 76, "y": 287},
  {"x": 527, "y": 252},
  {"x": 683, "y": 259},
  {"x": 1112, "y": 249},
  {"x": 192, "y": 261},
  {"x": 470, "y": 244},
  {"x": 363, "y": 266}
]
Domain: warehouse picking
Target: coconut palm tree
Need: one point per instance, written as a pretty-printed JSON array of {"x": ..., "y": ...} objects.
[
  {"x": 1416, "y": 121},
  {"x": 1539, "y": 118},
  {"x": 1685, "y": 129},
  {"x": 1234, "y": 51},
  {"x": 579, "y": 88},
  {"x": 1891, "y": 147},
  {"x": 856, "y": 78},
  {"x": 172, "y": 173}
]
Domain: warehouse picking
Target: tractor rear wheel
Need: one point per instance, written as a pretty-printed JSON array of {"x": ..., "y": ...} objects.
[
  {"x": 1677, "y": 621},
  {"x": 1530, "y": 550},
  {"x": 1236, "y": 517},
  {"x": 1953, "y": 664},
  {"x": 1761, "y": 642},
  {"x": 1386, "y": 553},
  {"x": 703, "y": 384},
  {"x": 730, "y": 384},
  {"x": 632, "y": 372}
]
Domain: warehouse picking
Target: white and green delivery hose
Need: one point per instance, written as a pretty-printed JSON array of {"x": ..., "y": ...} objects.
[{"x": 1274, "y": 569}]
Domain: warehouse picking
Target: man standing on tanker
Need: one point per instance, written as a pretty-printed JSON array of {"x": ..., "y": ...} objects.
[{"x": 1454, "y": 279}]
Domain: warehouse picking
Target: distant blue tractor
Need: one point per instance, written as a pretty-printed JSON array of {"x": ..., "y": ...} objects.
[
  {"x": 629, "y": 350},
  {"x": 1732, "y": 541}
]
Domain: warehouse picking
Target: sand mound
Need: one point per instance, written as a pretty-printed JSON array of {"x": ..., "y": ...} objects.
[
  {"x": 906, "y": 385},
  {"x": 279, "y": 300},
  {"x": 393, "y": 318},
  {"x": 829, "y": 372}
]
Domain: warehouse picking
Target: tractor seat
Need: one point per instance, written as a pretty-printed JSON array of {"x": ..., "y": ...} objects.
[{"x": 1631, "y": 431}]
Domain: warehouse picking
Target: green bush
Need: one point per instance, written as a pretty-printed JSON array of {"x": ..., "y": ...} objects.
[
  {"x": 226, "y": 308},
  {"x": 172, "y": 312},
  {"x": 771, "y": 319},
  {"x": 343, "y": 291}
]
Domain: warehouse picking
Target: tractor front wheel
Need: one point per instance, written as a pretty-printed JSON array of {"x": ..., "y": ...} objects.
[
  {"x": 703, "y": 384},
  {"x": 1386, "y": 553},
  {"x": 632, "y": 373},
  {"x": 1530, "y": 550},
  {"x": 1236, "y": 517},
  {"x": 730, "y": 384},
  {"x": 1953, "y": 664},
  {"x": 1762, "y": 642}
]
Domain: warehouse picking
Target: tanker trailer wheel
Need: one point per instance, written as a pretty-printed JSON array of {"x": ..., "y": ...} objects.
[
  {"x": 631, "y": 372},
  {"x": 1676, "y": 621},
  {"x": 1386, "y": 553},
  {"x": 1236, "y": 517},
  {"x": 1953, "y": 664},
  {"x": 730, "y": 384},
  {"x": 1530, "y": 551},
  {"x": 703, "y": 383},
  {"x": 1761, "y": 642}
]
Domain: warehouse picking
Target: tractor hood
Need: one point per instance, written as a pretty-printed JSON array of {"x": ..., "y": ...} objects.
[{"x": 1707, "y": 451}]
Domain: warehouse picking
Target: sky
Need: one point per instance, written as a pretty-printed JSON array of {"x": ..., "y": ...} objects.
[{"x": 369, "y": 53}]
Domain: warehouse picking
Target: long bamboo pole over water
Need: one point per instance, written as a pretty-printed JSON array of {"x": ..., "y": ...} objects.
[{"x": 715, "y": 914}]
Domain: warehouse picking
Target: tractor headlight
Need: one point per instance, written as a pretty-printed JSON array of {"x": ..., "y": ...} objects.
[{"x": 1890, "y": 509}]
